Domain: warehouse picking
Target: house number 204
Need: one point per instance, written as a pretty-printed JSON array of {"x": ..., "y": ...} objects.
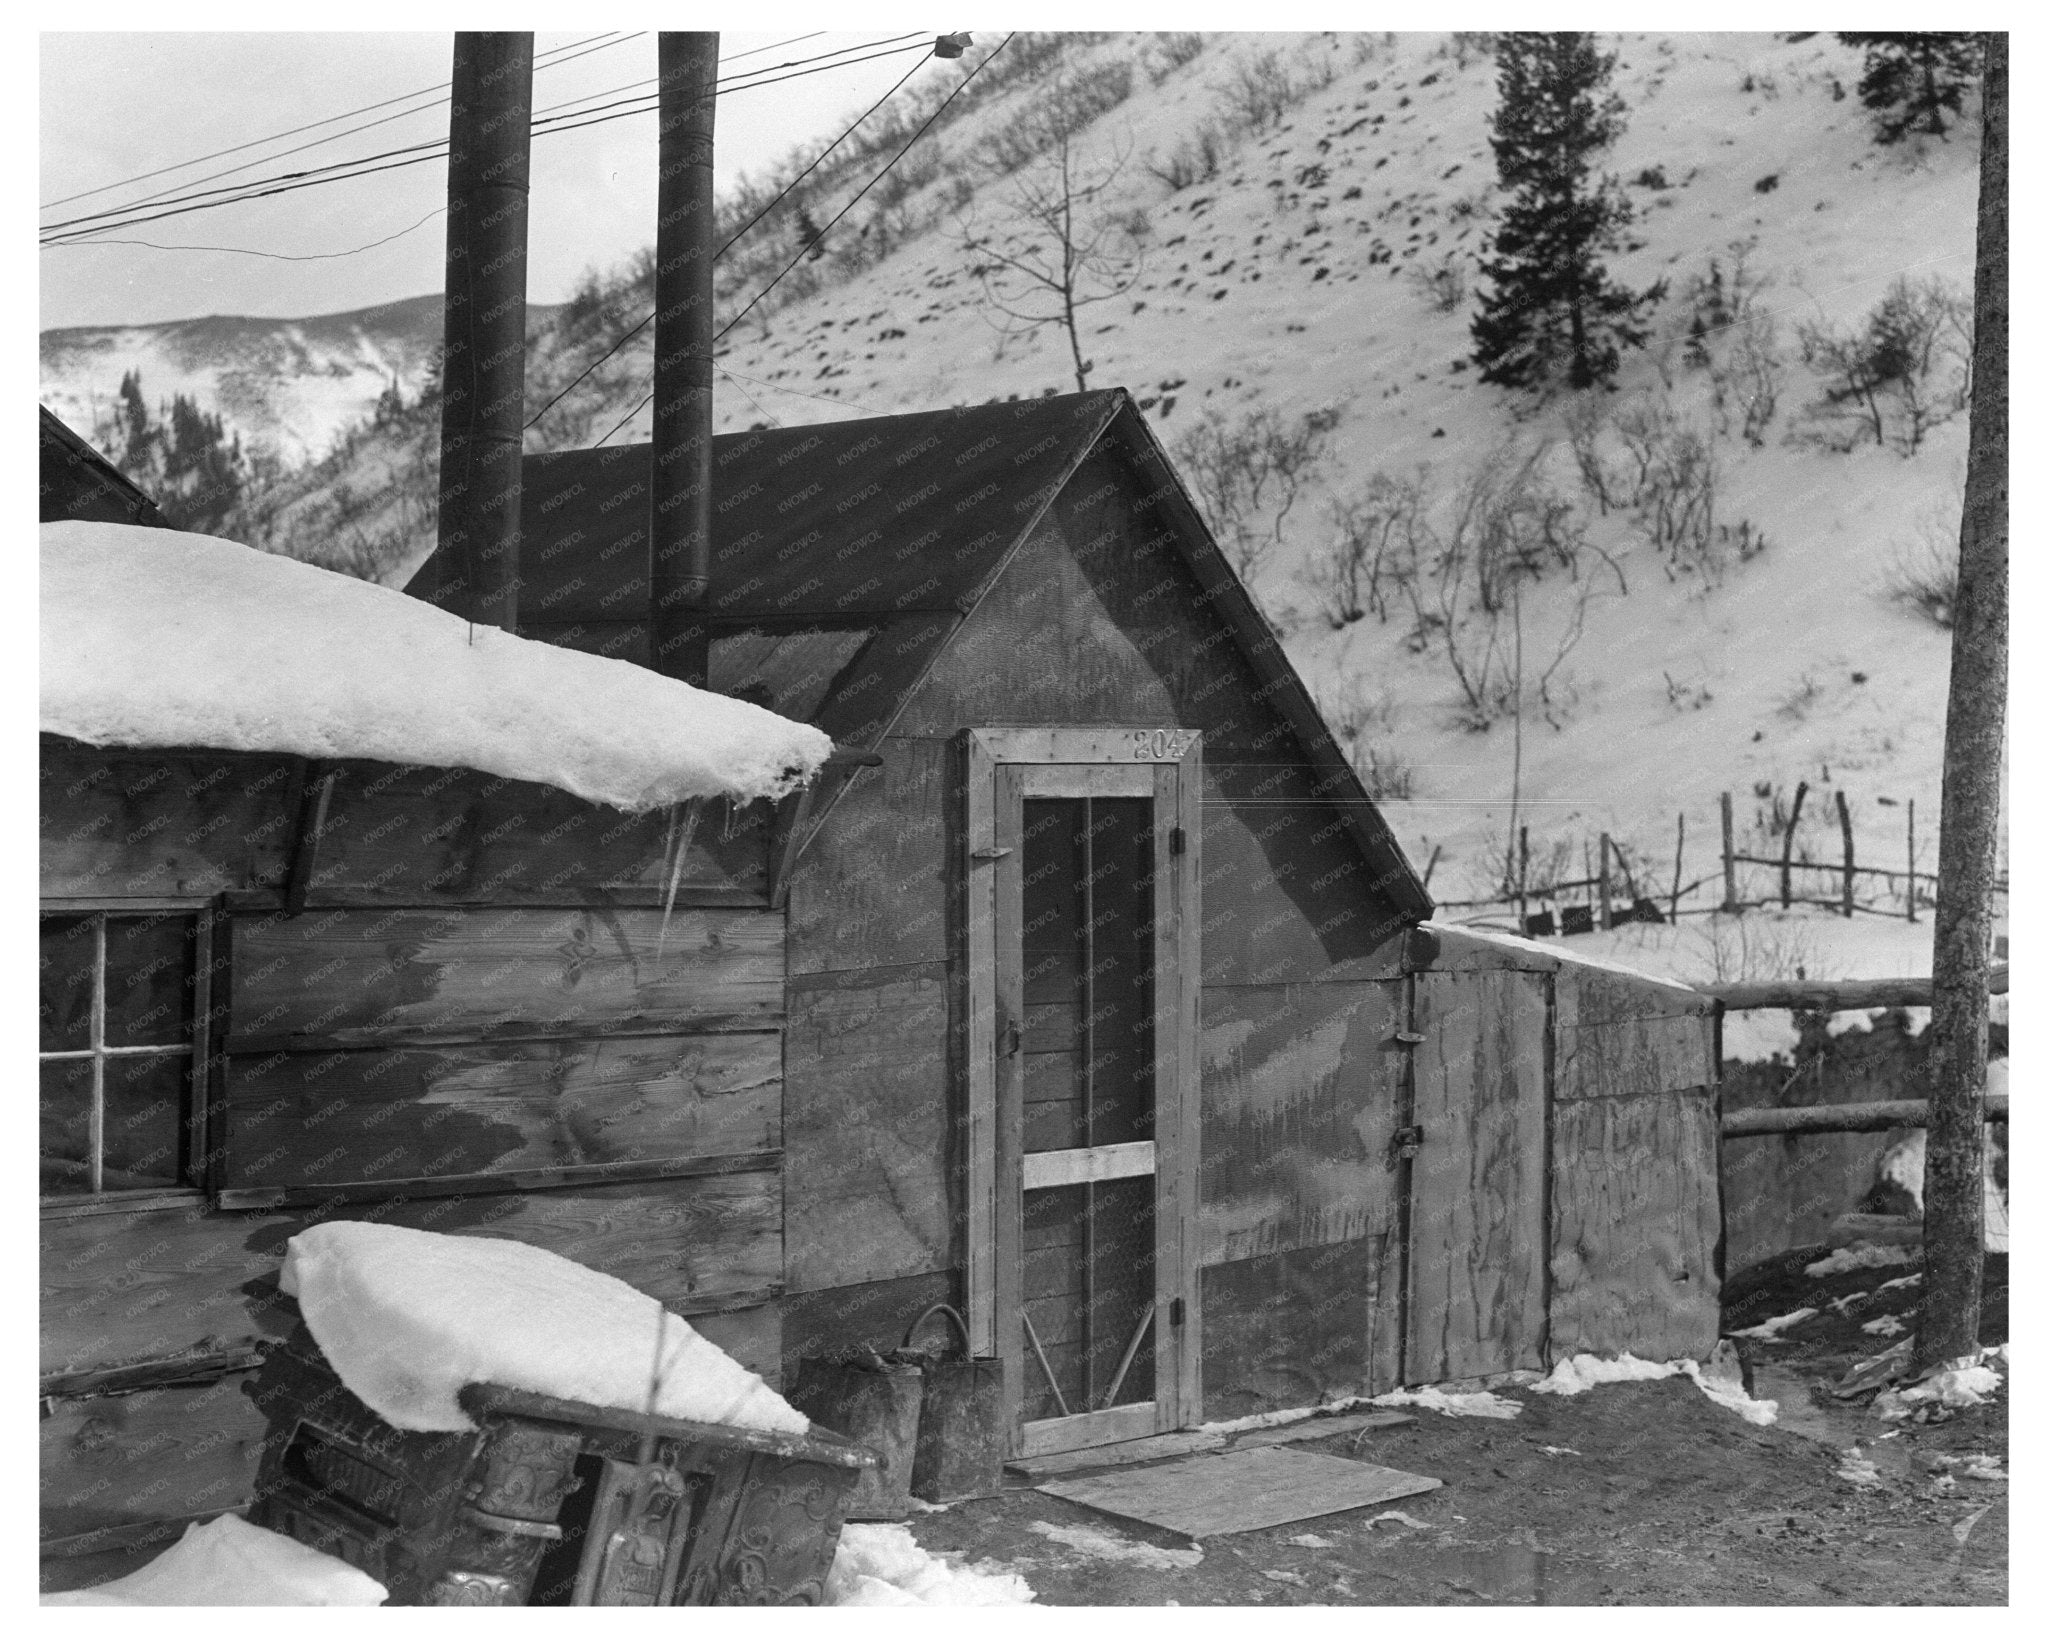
[{"x": 1160, "y": 744}]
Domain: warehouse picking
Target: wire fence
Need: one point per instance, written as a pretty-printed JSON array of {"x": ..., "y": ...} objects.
[{"x": 1620, "y": 890}]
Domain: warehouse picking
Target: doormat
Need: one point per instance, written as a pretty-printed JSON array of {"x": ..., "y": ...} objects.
[{"x": 1244, "y": 1490}]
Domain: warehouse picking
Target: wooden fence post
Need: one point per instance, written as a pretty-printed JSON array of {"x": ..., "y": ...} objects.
[
  {"x": 1848, "y": 856},
  {"x": 1677, "y": 869},
  {"x": 1522, "y": 885},
  {"x": 1785, "y": 865},
  {"x": 1727, "y": 852},
  {"x": 1606, "y": 885},
  {"x": 1911, "y": 891}
]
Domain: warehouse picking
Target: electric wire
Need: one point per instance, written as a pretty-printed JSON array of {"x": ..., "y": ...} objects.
[
  {"x": 759, "y": 295},
  {"x": 271, "y": 255},
  {"x": 592, "y": 367},
  {"x": 266, "y": 187},
  {"x": 311, "y": 125}
]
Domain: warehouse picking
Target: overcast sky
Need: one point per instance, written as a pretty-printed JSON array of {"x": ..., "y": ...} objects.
[{"x": 116, "y": 106}]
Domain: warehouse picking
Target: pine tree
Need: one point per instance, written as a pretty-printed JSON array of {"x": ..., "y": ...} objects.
[
  {"x": 1551, "y": 301},
  {"x": 1911, "y": 80}
]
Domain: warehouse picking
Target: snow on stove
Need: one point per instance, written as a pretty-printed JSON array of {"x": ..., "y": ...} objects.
[
  {"x": 406, "y": 1318},
  {"x": 156, "y": 637}
]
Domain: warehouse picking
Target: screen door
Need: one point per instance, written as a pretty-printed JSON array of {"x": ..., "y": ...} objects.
[{"x": 1090, "y": 982}]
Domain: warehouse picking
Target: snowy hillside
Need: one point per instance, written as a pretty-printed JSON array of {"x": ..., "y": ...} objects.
[
  {"x": 1309, "y": 210},
  {"x": 288, "y": 387}
]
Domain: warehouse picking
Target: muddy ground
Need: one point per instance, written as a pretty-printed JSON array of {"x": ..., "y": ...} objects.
[{"x": 1635, "y": 1493}]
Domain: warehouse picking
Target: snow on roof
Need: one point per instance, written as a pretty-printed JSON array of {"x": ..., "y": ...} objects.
[
  {"x": 1557, "y": 952},
  {"x": 407, "y": 1318},
  {"x": 231, "y": 1562},
  {"x": 157, "y": 637}
]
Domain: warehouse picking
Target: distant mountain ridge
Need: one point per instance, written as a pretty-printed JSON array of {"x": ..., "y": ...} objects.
[{"x": 287, "y": 386}]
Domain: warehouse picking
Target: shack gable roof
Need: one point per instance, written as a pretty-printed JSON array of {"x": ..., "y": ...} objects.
[
  {"x": 862, "y": 546},
  {"x": 76, "y": 482}
]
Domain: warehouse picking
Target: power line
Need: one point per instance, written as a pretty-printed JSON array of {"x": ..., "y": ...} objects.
[
  {"x": 314, "y": 125},
  {"x": 759, "y": 295},
  {"x": 275, "y": 256},
  {"x": 290, "y": 181},
  {"x": 722, "y": 249}
]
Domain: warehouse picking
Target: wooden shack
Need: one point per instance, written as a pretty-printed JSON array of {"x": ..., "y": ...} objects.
[{"x": 1086, "y": 989}]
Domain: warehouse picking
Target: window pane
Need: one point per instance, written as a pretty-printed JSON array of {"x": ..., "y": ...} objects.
[
  {"x": 144, "y": 1119},
  {"x": 67, "y": 983},
  {"x": 67, "y": 1109},
  {"x": 149, "y": 970}
]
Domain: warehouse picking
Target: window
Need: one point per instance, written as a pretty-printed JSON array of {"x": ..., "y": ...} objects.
[{"x": 122, "y": 1048}]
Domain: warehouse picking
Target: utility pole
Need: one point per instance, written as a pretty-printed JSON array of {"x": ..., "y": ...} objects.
[
  {"x": 483, "y": 370},
  {"x": 679, "y": 544},
  {"x": 1971, "y": 751}
]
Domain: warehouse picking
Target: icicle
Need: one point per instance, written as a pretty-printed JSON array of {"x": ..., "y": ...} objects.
[{"x": 682, "y": 831}]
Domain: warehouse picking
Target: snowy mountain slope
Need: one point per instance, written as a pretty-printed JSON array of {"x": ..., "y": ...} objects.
[
  {"x": 288, "y": 387},
  {"x": 1317, "y": 272}
]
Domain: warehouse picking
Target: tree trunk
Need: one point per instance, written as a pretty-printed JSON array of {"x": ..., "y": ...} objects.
[{"x": 1954, "y": 1190}]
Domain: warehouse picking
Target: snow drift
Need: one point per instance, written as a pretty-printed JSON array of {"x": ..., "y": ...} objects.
[
  {"x": 156, "y": 637},
  {"x": 230, "y": 1561},
  {"x": 406, "y": 1318}
]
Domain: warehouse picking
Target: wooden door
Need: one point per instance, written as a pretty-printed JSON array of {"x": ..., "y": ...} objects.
[
  {"x": 1477, "y": 1229},
  {"x": 1088, "y": 1280}
]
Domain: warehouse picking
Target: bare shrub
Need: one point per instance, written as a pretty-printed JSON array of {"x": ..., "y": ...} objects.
[
  {"x": 1176, "y": 51},
  {"x": 1669, "y": 474},
  {"x": 1197, "y": 157},
  {"x": 1442, "y": 281},
  {"x": 1257, "y": 92},
  {"x": 1902, "y": 374},
  {"x": 1372, "y": 539},
  {"x": 1356, "y": 713},
  {"x": 1248, "y": 474},
  {"x": 1056, "y": 113}
]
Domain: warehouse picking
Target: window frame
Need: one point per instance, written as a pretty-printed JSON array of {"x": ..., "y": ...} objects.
[{"x": 195, "y": 1119}]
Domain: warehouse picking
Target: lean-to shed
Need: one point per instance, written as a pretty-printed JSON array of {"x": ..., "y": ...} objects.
[{"x": 1085, "y": 989}]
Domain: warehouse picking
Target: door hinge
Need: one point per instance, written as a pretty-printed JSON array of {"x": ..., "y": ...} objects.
[
  {"x": 1407, "y": 1142},
  {"x": 1010, "y": 1039},
  {"x": 1177, "y": 841},
  {"x": 982, "y": 855},
  {"x": 1408, "y": 1037},
  {"x": 1177, "y": 1312}
]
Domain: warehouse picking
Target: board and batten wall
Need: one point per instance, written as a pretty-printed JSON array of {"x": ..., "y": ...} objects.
[{"x": 477, "y": 1022}]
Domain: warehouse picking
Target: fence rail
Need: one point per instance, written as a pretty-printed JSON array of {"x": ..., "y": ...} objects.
[
  {"x": 1837, "y": 995},
  {"x": 1881, "y": 1116}
]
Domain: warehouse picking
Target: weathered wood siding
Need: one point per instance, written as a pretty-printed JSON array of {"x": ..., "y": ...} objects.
[
  {"x": 1095, "y": 621},
  {"x": 1476, "y": 1217},
  {"x": 480, "y": 989},
  {"x": 1635, "y": 1188},
  {"x": 1301, "y": 1327}
]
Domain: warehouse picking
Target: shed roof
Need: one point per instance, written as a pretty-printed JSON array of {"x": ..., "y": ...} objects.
[
  {"x": 76, "y": 482},
  {"x": 845, "y": 556}
]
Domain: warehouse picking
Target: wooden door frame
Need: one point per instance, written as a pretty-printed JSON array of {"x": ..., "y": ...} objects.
[{"x": 1173, "y": 757}]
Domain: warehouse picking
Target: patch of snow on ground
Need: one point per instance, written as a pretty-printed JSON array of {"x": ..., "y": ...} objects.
[
  {"x": 1772, "y": 1330},
  {"x": 1284, "y": 1418},
  {"x": 232, "y": 1562},
  {"x": 1452, "y": 1404},
  {"x": 1858, "y": 1469},
  {"x": 1862, "y": 1254},
  {"x": 406, "y": 1318},
  {"x": 882, "y": 1564},
  {"x": 1583, "y": 1371},
  {"x": 1894, "y": 1285},
  {"x": 1101, "y": 1544},
  {"x": 1885, "y": 1325},
  {"x": 1396, "y": 1516},
  {"x": 155, "y": 637}
]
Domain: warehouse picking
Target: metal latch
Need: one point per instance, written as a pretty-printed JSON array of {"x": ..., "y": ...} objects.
[
  {"x": 1010, "y": 1040},
  {"x": 982, "y": 855},
  {"x": 1407, "y": 1142},
  {"x": 1407, "y": 1037}
]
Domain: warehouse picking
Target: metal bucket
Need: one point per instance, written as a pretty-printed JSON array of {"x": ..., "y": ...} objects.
[
  {"x": 874, "y": 1402},
  {"x": 961, "y": 1439}
]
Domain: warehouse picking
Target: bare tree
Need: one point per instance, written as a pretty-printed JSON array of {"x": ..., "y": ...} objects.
[
  {"x": 1969, "y": 796},
  {"x": 1058, "y": 248}
]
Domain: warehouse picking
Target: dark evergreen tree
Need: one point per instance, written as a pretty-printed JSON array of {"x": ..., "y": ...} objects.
[
  {"x": 1550, "y": 301},
  {"x": 808, "y": 233},
  {"x": 1910, "y": 81}
]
